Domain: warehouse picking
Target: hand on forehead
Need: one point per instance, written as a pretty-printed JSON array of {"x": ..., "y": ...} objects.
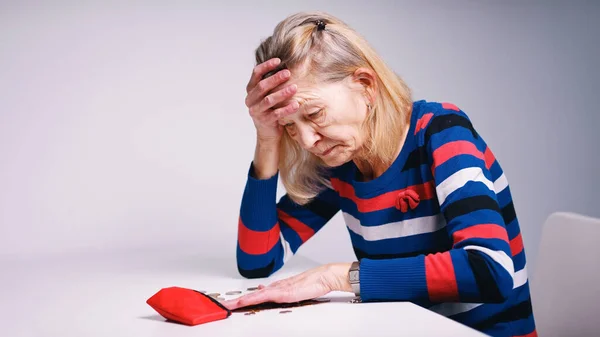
[{"x": 306, "y": 92}]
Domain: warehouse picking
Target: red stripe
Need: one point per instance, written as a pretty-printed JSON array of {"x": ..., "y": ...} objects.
[
  {"x": 303, "y": 230},
  {"x": 423, "y": 121},
  {"x": 254, "y": 242},
  {"x": 484, "y": 231},
  {"x": 425, "y": 191},
  {"x": 452, "y": 149},
  {"x": 450, "y": 106},
  {"x": 344, "y": 189},
  {"x": 489, "y": 158},
  {"x": 441, "y": 280},
  {"x": 516, "y": 245},
  {"x": 531, "y": 334}
]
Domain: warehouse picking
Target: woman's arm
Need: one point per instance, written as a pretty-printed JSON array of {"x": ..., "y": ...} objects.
[
  {"x": 479, "y": 267},
  {"x": 270, "y": 232}
]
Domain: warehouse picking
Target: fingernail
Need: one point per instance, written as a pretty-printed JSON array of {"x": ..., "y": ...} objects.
[{"x": 276, "y": 61}]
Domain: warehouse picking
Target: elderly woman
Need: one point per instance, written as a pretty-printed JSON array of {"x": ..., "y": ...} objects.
[{"x": 426, "y": 203}]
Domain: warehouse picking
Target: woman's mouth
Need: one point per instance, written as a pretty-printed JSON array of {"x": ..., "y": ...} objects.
[{"x": 328, "y": 151}]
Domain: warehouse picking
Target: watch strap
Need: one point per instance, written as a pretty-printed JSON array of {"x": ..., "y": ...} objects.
[{"x": 354, "y": 277}]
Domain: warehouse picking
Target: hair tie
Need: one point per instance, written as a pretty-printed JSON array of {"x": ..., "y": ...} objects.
[{"x": 320, "y": 25}]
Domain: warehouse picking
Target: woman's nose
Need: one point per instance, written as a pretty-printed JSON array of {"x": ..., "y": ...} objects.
[{"x": 308, "y": 137}]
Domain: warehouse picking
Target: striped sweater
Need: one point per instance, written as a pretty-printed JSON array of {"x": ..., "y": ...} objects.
[{"x": 438, "y": 228}]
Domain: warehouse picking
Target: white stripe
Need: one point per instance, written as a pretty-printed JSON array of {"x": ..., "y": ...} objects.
[
  {"x": 287, "y": 250},
  {"x": 398, "y": 229},
  {"x": 499, "y": 256},
  {"x": 453, "y": 308},
  {"x": 501, "y": 183},
  {"x": 520, "y": 278},
  {"x": 459, "y": 179}
]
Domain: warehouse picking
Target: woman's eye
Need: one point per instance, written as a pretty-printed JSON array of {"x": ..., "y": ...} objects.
[{"x": 316, "y": 114}]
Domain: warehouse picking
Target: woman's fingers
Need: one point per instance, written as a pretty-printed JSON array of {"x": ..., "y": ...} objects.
[
  {"x": 286, "y": 110},
  {"x": 257, "y": 297},
  {"x": 271, "y": 100},
  {"x": 264, "y": 102},
  {"x": 276, "y": 97},
  {"x": 279, "y": 292},
  {"x": 263, "y": 87},
  {"x": 259, "y": 71}
]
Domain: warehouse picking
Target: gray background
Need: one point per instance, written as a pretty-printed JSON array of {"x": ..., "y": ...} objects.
[{"x": 123, "y": 125}]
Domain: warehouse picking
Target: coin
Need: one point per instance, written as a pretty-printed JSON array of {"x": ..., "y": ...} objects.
[
  {"x": 250, "y": 313},
  {"x": 285, "y": 311},
  {"x": 322, "y": 300},
  {"x": 355, "y": 300},
  {"x": 234, "y": 292},
  {"x": 280, "y": 306},
  {"x": 252, "y": 288},
  {"x": 219, "y": 298},
  {"x": 214, "y": 294}
]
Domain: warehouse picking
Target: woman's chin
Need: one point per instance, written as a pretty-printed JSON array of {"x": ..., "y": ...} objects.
[{"x": 335, "y": 160}]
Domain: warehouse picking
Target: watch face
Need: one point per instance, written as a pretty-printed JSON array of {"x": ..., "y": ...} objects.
[{"x": 353, "y": 276}]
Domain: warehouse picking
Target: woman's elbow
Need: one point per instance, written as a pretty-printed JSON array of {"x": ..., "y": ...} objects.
[
  {"x": 255, "y": 273},
  {"x": 494, "y": 276},
  {"x": 504, "y": 283}
]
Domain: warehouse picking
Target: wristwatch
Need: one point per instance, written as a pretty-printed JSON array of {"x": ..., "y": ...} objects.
[{"x": 354, "y": 277}]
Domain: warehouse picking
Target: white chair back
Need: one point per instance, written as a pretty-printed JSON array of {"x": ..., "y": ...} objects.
[{"x": 565, "y": 285}]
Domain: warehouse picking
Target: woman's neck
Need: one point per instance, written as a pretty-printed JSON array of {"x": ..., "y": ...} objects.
[{"x": 372, "y": 168}]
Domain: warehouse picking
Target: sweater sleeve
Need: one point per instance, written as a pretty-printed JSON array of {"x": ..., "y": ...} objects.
[
  {"x": 478, "y": 267},
  {"x": 270, "y": 232}
]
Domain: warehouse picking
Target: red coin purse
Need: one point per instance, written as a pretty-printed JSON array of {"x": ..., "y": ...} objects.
[{"x": 187, "y": 306}]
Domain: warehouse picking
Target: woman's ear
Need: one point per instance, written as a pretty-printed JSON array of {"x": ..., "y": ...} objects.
[{"x": 368, "y": 80}]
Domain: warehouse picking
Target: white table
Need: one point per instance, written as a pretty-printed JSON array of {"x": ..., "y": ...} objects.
[{"x": 106, "y": 296}]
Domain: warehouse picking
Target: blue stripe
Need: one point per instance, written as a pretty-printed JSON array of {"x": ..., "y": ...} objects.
[
  {"x": 475, "y": 218},
  {"x": 464, "y": 276},
  {"x": 519, "y": 261},
  {"x": 255, "y": 211},
  {"x": 455, "y": 133},
  {"x": 513, "y": 229},
  {"x": 504, "y": 197},
  {"x": 426, "y": 173},
  {"x": 291, "y": 237},
  {"x": 509, "y": 329},
  {"x": 522, "y": 326},
  {"x": 496, "y": 169},
  {"x": 499, "y": 330}
]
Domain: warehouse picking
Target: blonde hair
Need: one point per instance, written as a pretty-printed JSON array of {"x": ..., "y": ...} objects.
[{"x": 331, "y": 55}]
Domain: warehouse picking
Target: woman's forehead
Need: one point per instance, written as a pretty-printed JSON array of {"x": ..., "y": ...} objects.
[{"x": 306, "y": 95}]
